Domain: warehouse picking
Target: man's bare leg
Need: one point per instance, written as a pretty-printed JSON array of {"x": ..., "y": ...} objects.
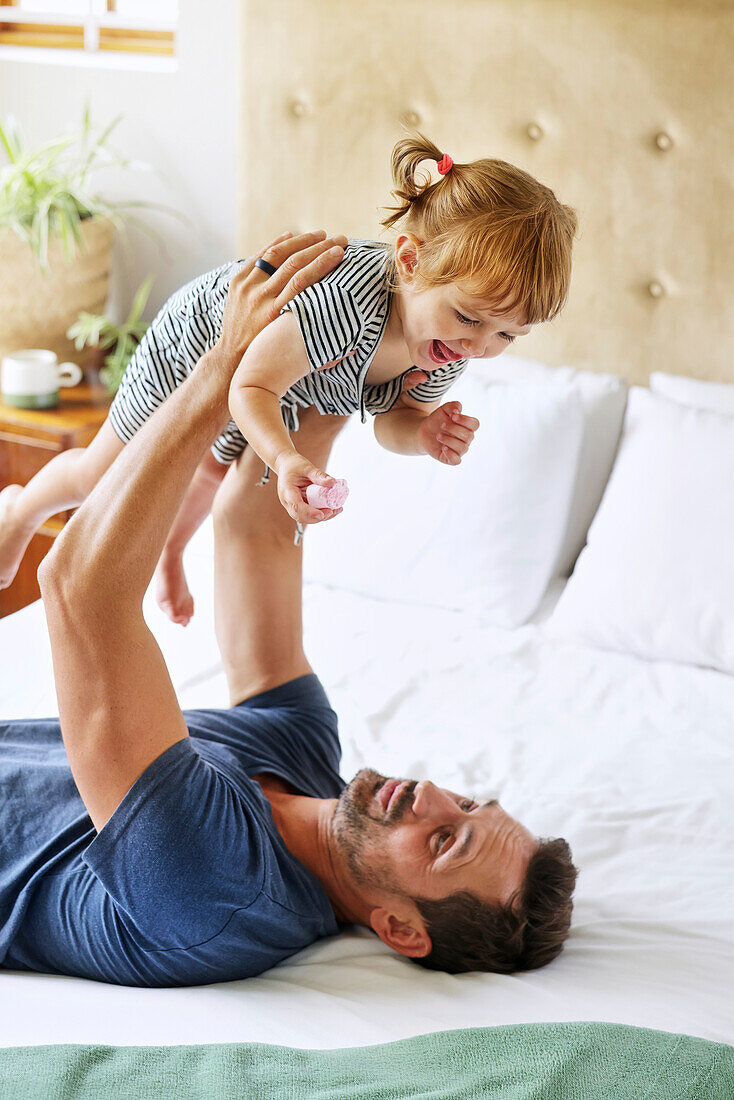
[{"x": 258, "y": 570}]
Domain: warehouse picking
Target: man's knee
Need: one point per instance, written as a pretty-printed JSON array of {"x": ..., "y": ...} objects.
[
  {"x": 245, "y": 512},
  {"x": 230, "y": 511},
  {"x": 316, "y": 435}
]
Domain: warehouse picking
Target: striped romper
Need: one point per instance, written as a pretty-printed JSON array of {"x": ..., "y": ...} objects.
[{"x": 346, "y": 312}]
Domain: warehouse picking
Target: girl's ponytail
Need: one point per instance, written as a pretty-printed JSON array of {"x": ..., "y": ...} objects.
[
  {"x": 487, "y": 225},
  {"x": 407, "y": 155}
]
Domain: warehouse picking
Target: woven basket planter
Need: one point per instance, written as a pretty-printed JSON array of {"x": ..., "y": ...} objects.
[{"x": 36, "y": 308}]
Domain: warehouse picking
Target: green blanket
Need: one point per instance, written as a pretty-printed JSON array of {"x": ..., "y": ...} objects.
[{"x": 586, "y": 1061}]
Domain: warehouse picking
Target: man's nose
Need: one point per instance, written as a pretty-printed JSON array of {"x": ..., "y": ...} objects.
[{"x": 428, "y": 799}]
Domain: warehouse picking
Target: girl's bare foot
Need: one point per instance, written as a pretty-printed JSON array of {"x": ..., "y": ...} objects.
[
  {"x": 14, "y": 535},
  {"x": 171, "y": 590}
]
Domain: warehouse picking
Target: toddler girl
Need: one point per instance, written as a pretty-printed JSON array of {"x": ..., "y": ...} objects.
[{"x": 481, "y": 255}]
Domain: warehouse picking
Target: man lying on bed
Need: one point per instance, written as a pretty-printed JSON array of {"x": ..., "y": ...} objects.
[{"x": 170, "y": 849}]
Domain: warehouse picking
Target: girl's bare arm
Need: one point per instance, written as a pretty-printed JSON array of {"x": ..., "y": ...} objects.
[
  {"x": 421, "y": 428},
  {"x": 273, "y": 362}
]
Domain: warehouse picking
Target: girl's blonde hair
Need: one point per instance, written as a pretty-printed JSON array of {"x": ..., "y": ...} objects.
[{"x": 488, "y": 225}]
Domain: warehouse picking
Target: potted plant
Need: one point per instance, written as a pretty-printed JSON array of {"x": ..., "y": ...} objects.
[
  {"x": 56, "y": 235},
  {"x": 97, "y": 331}
]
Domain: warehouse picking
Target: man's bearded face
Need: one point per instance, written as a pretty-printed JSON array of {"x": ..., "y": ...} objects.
[{"x": 360, "y": 824}]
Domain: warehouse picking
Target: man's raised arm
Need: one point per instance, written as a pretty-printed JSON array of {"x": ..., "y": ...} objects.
[{"x": 117, "y": 706}]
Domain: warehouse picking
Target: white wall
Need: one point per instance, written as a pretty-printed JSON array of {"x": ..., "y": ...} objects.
[{"x": 183, "y": 123}]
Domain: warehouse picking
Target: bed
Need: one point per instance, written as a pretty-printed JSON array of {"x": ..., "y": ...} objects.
[
  {"x": 629, "y": 758},
  {"x": 631, "y": 761},
  {"x": 597, "y": 708}
]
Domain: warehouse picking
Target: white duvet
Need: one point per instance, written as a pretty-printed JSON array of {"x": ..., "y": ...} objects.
[{"x": 633, "y": 762}]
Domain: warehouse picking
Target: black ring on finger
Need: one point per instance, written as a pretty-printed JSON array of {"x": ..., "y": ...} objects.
[{"x": 265, "y": 266}]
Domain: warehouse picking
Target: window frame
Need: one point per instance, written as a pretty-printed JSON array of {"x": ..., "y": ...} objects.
[{"x": 98, "y": 31}]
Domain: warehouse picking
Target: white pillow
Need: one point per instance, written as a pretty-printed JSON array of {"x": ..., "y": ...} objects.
[
  {"x": 695, "y": 394},
  {"x": 603, "y": 399},
  {"x": 656, "y": 578},
  {"x": 483, "y": 536}
]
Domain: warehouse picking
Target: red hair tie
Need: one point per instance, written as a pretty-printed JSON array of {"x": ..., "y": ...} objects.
[{"x": 445, "y": 164}]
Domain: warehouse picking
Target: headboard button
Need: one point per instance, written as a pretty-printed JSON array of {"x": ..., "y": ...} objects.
[
  {"x": 655, "y": 289},
  {"x": 410, "y": 118},
  {"x": 299, "y": 108},
  {"x": 663, "y": 141},
  {"x": 534, "y": 131}
]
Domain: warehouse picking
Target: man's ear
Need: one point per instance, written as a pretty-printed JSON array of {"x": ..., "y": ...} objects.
[
  {"x": 407, "y": 937},
  {"x": 407, "y": 251}
]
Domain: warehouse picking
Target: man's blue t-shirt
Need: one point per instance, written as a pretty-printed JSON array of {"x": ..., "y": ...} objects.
[{"x": 189, "y": 881}]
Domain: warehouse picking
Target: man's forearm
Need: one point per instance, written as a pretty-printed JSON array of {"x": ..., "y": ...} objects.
[
  {"x": 109, "y": 550},
  {"x": 398, "y": 430}
]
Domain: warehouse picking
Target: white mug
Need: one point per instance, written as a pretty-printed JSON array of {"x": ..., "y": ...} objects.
[{"x": 31, "y": 379}]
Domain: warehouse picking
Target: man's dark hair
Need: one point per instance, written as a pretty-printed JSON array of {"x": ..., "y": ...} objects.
[{"x": 525, "y": 933}]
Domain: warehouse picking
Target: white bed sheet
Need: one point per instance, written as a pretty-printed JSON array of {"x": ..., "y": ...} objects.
[{"x": 633, "y": 762}]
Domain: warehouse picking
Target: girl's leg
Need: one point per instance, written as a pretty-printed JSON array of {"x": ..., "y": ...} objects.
[
  {"x": 62, "y": 483},
  {"x": 171, "y": 590}
]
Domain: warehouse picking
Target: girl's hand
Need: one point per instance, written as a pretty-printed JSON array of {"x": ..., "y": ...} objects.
[
  {"x": 446, "y": 434},
  {"x": 295, "y": 473}
]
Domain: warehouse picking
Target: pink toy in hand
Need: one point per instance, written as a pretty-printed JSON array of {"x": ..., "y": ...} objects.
[{"x": 331, "y": 496}]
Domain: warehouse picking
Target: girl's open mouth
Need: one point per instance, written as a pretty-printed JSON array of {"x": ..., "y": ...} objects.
[{"x": 439, "y": 353}]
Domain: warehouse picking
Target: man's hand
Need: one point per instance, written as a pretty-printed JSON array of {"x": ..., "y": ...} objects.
[
  {"x": 295, "y": 473},
  {"x": 447, "y": 434},
  {"x": 256, "y": 298},
  {"x": 413, "y": 378}
]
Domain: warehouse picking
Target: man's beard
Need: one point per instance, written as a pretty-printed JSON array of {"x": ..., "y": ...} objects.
[{"x": 359, "y": 819}]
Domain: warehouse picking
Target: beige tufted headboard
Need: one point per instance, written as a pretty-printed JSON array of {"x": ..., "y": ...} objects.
[{"x": 624, "y": 107}]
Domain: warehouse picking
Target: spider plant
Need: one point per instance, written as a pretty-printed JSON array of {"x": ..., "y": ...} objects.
[
  {"x": 47, "y": 192},
  {"x": 98, "y": 331}
]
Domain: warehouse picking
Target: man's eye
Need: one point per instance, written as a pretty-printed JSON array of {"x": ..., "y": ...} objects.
[
  {"x": 507, "y": 336},
  {"x": 442, "y": 838},
  {"x": 465, "y": 320},
  {"x": 467, "y": 804}
]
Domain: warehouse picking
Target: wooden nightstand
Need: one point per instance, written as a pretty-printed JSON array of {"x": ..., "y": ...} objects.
[{"x": 29, "y": 438}]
